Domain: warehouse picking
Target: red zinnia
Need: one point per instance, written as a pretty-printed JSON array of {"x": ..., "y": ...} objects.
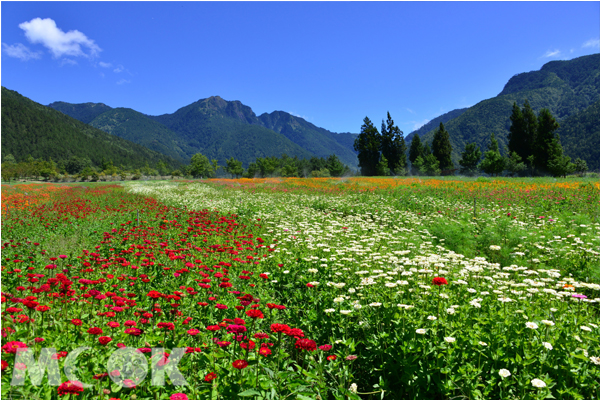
[
  {"x": 438, "y": 281},
  {"x": 276, "y": 328},
  {"x": 178, "y": 396},
  {"x": 13, "y": 347},
  {"x": 210, "y": 377},
  {"x": 325, "y": 347},
  {"x": 331, "y": 357},
  {"x": 240, "y": 364},
  {"x": 254, "y": 313},
  {"x": 68, "y": 387},
  {"x": 94, "y": 331},
  {"x": 104, "y": 340},
  {"x": 264, "y": 351},
  {"x": 306, "y": 344}
]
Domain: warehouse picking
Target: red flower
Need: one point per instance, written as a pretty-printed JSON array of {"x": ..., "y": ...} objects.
[
  {"x": 133, "y": 331},
  {"x": 167, "y": 325},
  {"x": 254, "y": 313},
  {"x": 261, "y": 335},
  {"x": 94, "y": 331},
  {"x": 306, "y": 344},
  {"x": 264, "y": 351},
  {"x": 295, "y": 332},
  {"x": 42, "y": 308},
  {"x": 236, "y": 329},
  {"x": 213, "y": 328},
  {"x": 76, "y": 322},
  {"x": 104, "y": 340},
  {"x": 331, "y": 357},
  {"x": 325, "y": 347},
  {"x": 276, "y": 328},
  {"x": 210, "y": 377},
  {"x": 13, "y": 347},
  {"x": 178, "y": 396},
  {"x": 440, "y": 281},
  {"x": 193, "y": 332},
  {"x": 240, "y": 364},
  {"x": 113, "y": 324},
  {"x": 70, "y": 387}
]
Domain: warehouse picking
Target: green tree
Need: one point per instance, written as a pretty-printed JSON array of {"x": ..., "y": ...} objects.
[
  {"x": 367, "y": 145},
  {"x": 382, "y": 167},
  {"x": 200, "y": 166},
  {"x": 581, "y": 166},
  {"x": 546, "y": 133},
  {"x": 523, "y": 132},
  {"x": 469, "y": 159},
  {"x": 513, "y": 163},
  {"x": 493, "y": 162},
  {"x": 267, "y": 165},
  {"x": 252, "y": 170},
  {"x": 441, "y": 148},
  {"x": 416, "y": 150},
  {"x": 234, "y": 167},
  {"x": 335, "y": 166},
  {"x": 393, "y": 146},
  {"x": 558, "y": 163}
]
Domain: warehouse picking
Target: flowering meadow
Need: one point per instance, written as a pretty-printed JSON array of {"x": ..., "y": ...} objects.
[{"x": 302, "y": 289}]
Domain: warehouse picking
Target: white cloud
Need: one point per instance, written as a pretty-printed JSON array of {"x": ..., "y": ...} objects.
[
  {"x": 122, "y": 81},
  {"x": 72, "y": 43},
  {"x": 592, "y": 43},
  {"x": 410, "y": 111},
  {"x": 20, "y": 51},
  {"x": 120, "y": 68},
  {"x": 553, "y": 53},
  {"x": 104, "y": 65}
]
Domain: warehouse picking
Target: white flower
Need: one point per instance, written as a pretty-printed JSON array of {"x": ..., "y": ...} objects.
[
  {"x": 421, "y": 331},
  {"x": 286, "y": 272},
  {"x": 495, "y": 248},
  {"x": 538, "y": 383},
  {"x": 329, "y": 310},
  {"x": 314, "y": 283},
  {"x": 345, "y": 312},
  {"x": 357, "y": 306},
  {"x": 585, "y": 328},
  {"x": 471, "y": 290},
  {"x": 449, "y": 339},
  {"x": 450, "y": 311},
  {"x": 351, "y": 290},
  {"x": 313, "y": 270},
  {"x": 375, "y": 304},
  {"x": 504, "y": 373},
  {"x": 475, "y": 303},
  {"x": 595, "y": 360},
  {"x": 431, "y": 318},
  {"x": 546, "y": 322},
  {"x": 353, "y": 388},
  {"x": 338, "y": 300},
  {"x": 531, "y": 325},
  {"x": 547, "y": 345},
  {"x": 576, "y": 337},
  {"x": 483, "y": 343}
]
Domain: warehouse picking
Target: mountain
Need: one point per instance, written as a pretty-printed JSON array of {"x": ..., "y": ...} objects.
[
  {"x": 318, "y": 141},
  {"x": 141, "y": 129},
  {"x": 219, "y": 129},
  {"x": 434, "y": 123},
  {"x": 222, "y": 129},
  {"x": 85, "y": 112},
  {"x": 580, "y": 136},
  {"x": 29, "y": 128},
  {"x": 564, "y": 87}
]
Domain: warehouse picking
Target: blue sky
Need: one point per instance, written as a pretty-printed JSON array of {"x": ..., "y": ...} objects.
[{"x": 332, "y": 63}]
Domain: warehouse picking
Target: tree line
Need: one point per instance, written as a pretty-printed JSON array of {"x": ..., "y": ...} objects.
[
  {"x": 82, "y": 168},
  {"x": 534, "y": 148}
]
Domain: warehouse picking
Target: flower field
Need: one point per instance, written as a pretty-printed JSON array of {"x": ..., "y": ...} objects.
[{"x": 302, "y": 289}]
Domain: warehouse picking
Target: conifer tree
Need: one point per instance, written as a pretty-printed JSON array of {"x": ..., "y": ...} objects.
[
  {"x": 441, "y": 148},
  {"x": 416, "y": 151},
  {"x": 367, "y": 145},
  {"x": 393, "y": 146},
  {"x": 470, "y": 159},
  {"x": 493, "y": 162},
  {"x": 523, "y": 132},
  {"x": 546, "y": 133}
]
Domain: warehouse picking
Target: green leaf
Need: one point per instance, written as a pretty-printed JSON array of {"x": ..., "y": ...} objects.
[{"x": 248, "y": 393}]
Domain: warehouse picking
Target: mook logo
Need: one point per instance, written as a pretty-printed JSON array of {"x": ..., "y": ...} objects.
[{"x": 126, "y": 367}]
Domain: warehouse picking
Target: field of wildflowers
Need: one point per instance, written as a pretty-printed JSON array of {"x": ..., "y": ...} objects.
[{"x": 302, "y": 288}]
